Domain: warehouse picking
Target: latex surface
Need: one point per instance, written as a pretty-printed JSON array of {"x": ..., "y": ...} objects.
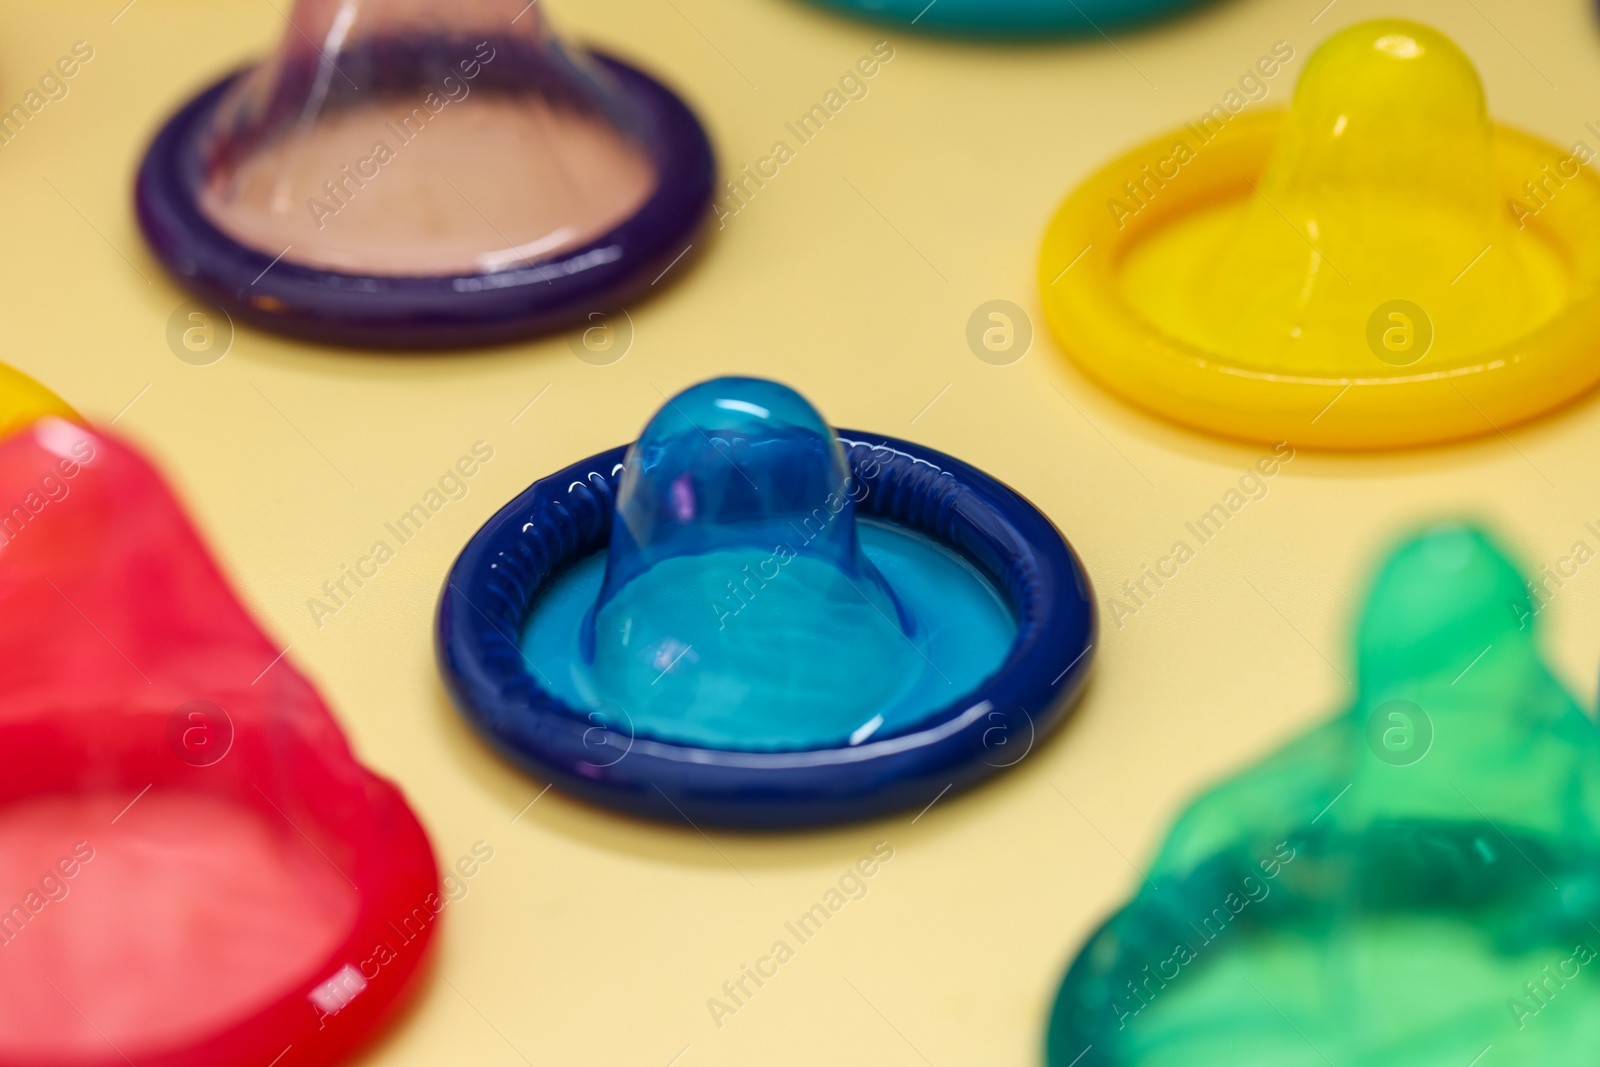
[
  {"x": 735, "y": 585},
  {"x": 966, "y": 627},
  {"x": 392, "y": 138},
  {"x": 1382, "y": 243},
  {"x": 204, "y": 873},
  {"x": 1005, "y": 606},
  {"x": 1410, "y": 883},
  {"x": 1381, "y": 186}
]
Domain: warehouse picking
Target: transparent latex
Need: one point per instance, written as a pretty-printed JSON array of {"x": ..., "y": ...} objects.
[
  {"x": 192, "y": 841},
  {"x": 1404, "y": 885},
  {"x": 735, "y": 587},
  {"x": 1382, "y": 188},
  {"x": 406, "y": 137}
]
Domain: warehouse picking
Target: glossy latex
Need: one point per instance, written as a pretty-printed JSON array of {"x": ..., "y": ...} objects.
[
  {"x": 1381, "y": 185},
  {"x": 1408, "y": 884},
  {"x": 735, "y": 585},
  {"x": 946, "y": 538},
  {"x": 1381, "y": 242},
  {"x": 218, "y": 878},
  {"x": 393, "y": 137},
  {"x": 964, "y": 626}
]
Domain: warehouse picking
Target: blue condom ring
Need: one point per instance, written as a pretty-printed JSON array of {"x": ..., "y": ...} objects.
[{"x": 566, "y": 518}]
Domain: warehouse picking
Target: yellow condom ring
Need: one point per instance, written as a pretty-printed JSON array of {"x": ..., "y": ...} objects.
[
  {"x": 1378, "y": 267},
  {"x": 23, "y": 400}
]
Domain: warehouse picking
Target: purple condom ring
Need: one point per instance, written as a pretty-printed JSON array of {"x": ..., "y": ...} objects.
[{"x": 544, "y": 258}]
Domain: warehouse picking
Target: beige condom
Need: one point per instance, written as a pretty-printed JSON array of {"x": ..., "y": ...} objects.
[{"x": 410, "y": 138}]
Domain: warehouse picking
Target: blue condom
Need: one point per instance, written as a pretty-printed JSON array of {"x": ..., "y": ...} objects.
[
  {"x": 738, "y": 608},
  {"x": 750, "y": 620}
]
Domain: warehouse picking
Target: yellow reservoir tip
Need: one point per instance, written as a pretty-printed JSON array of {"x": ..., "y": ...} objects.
[{"x": 1378, "y": 266}]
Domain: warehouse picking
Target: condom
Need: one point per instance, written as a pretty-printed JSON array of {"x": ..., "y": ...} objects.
[
  {"x": 396, "y": 175},
  {"x": 1380, "y": 266},
  {"x": 749, "y": 619},
  {"x": 1412, "y": 882},
  {"x": 1001, "y": 18},
  {"x": 193, "y": 866}
]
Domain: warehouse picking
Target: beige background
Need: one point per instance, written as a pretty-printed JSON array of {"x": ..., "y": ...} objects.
[{"x": 591, "y": 938}]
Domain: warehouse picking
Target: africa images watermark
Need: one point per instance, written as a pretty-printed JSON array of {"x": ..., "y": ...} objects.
[
  {"x": 851, "y": 886},
  {"x": 1552, "y": 578},
  {"x": 453, "y": 484},
  {"x": 351, "y": 980},
  {"x": 1214, "y": 924},
  {"x": 1138, "y": 593},
  {"x": 1153, "y": 176},
  {"x": 740, "y": 596},
  {"x": 738, "y": 192},
  {"x": 351, "y": 180},
  {"x": 51, "y": 87},
  {"x": 73, "y": 451},
  {"x": 1541, "y": 190},
  {"x": 52, "y": 888},
  {"x": 1540, "y": 991}
]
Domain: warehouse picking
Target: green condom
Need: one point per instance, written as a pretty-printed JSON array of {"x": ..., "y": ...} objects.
[{"x": 1415, "y": 882}]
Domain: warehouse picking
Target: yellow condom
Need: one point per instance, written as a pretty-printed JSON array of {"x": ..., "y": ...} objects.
[
  {"x": 22, "y": 400},
  {"x": 1380, "y": 266}
]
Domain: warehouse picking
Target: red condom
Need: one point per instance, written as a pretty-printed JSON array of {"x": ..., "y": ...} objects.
[{"x": 194, "y": 869}]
